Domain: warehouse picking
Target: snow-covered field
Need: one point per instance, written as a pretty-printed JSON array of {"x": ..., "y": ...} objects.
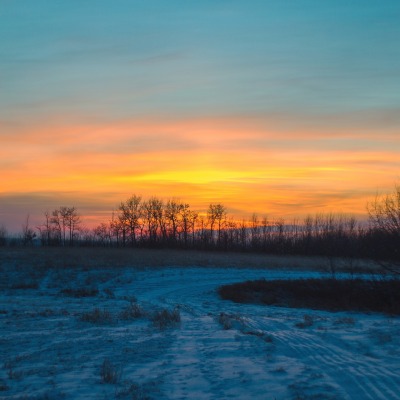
[{"x": 87, "y": 333}]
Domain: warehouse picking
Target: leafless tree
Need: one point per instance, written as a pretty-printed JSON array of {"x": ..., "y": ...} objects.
[
  {"x": 188, "y": 220},
  {"x": 46, "y": 229},
  {"x": 153, "y": 216},
  {"x": 384, "y": 216},
  {"x": 254, "y": 231},
  {"x": 384, "y": 212},
  {"x": 28, "y": 234},
  {"x": 216, "y": 216},
  {"x": 130, "y": 212},
  {"x": 66, "y": 223},
  {"x": 172, "y": 214},
  {"x": 102, "y": 233},
  {"x": 3, "y": 235}
]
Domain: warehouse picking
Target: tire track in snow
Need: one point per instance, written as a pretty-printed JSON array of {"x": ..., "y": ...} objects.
[
  {"x": 367, "y": 375},
  {"x": 348, "y": 369},
  {"x": 203, "y": 348}
]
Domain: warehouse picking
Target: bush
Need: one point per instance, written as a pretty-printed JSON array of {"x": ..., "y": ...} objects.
[
  {"x": 97, "y": 316},
  {"x": 80, "y": 292},
  {"x": 166, "y": 318},
  {"x": 133, "y": 311},
  {"x": 25, "y": 285},
  {"x": 322, "y": 294},
  {"x": 308, "y": 321},
  {"x": 109, "y": 373},
  {"x": 225, "y": 321}
]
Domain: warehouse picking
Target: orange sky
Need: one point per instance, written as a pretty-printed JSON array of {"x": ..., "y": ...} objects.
[{"x": 239, "y": 162}]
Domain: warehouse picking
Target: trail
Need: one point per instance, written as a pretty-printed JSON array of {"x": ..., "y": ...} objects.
[{"x": 250, "y": 352}]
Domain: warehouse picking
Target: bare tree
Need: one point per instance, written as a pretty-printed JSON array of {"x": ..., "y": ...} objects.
[
  {"x": 102, "y": 233},
  {"x": 130, "y": 213},
  {"x": 66, "y": 223},
  {"x": 188, "y": 220},
  {"x": 116, "y": 228},
  {"x": 172, "y": 214},
  {"x": 384, "y": 216},
  {"x": 254, "y": 231},
  {"x": 3, "y": 235},
  {"x": 216, "y": 216},
  {"x": 28, "y": 234},
  {"x": 153, "y": 215},
  {"x": 57, "y": 226},
  {"x": 46, "y": 230},
  {"x": 71, "y": 222},
  {"x": 384, "y": 212}
]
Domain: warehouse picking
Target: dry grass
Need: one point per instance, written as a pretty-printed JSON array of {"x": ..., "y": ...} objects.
[
  {"x": 97, "y": 316},
  {"x": 308, "y": 321},
  {"x": 88, "y": 257},
  {"x": 80, "y": 292},
  {"x": 166, "y": 318},
  {"x": 321, "y": 294},
  {"x": 109, "y": 373},
  {"x": 133, "y": 311}
]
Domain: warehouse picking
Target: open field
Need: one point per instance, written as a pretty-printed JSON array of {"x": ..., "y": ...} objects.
[
  {"x": 102, "y": 257},
  {"x": 116, "y": 324}
]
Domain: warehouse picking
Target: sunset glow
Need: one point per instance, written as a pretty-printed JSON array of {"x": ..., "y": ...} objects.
[{"x": 278, "y": 110}]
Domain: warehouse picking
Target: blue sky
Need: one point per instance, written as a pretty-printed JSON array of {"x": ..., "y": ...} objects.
[{"x": 124, "y": 58}]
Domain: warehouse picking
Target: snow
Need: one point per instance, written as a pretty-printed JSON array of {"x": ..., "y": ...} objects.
[{"x": 49, "y": 351}]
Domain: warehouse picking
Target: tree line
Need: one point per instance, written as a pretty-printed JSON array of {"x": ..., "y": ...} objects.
[{"x": 153, "y": 222}]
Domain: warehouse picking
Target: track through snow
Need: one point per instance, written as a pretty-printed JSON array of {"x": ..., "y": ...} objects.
[{"x": 219, "y": 350}]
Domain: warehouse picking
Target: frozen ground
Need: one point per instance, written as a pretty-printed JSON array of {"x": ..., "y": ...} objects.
[{"x": 54, "y": 345}]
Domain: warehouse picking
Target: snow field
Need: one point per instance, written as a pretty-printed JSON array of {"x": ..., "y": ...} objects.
[{"x": 71, "y": 333}]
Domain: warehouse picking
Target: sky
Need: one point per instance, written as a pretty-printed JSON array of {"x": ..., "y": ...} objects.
[{"x": 282, "y": 108}]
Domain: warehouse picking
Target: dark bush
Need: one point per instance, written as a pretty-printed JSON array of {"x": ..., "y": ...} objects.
[
  {"x": 80, "y": 292},
  {"x": 166, "y": 318},
  {"x": 322, "y": 294}
]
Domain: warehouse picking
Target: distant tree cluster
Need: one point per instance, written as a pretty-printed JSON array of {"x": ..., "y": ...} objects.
[
  {"x": 153, "y": 222},
  {"x": 60, "y": 227}
]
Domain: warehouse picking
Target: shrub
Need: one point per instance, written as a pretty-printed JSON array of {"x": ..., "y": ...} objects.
[
  {"x": 229, "y": 321},
  {"x": 345, "y": 321},
  {"x": 322, "y": 294},
  {"x": 133, "y": 311},
  {"x": 109, "y": 373},
  {"x": 166, "y": 318},
  {"x": 308, "y": 321},
  {"x": 96, "y": 316},
  {"x": 80, "y": 292},
  {"x": 25, "y": 285},
  {"x": 225, "y": 321},
  {"x": 109, "y": 293},
  {"x": 267, "y": 338}
]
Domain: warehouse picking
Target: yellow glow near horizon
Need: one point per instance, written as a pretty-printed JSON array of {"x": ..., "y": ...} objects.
[{"x": 243, "y": 165}]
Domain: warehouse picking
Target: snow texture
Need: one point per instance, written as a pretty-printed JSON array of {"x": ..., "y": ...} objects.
[{"x": 75, "y": 333}]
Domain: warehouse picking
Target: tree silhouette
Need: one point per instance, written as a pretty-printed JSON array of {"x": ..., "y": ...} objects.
[
  {"x": 216, "y": 216},
  {"x": 384, "y": 216}
]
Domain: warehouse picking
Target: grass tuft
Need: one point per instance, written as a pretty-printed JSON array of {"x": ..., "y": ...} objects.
[
  {"x": 133, "y": 311},
  {"x": 308, "y": 321},
  {"x": 109, "y": 373},
  {"x": 166, "y": 318},
  {"x": 97, "y": 316},
  {"x": 25, "y": 285},
  {"x": 80, "y": 292}
]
